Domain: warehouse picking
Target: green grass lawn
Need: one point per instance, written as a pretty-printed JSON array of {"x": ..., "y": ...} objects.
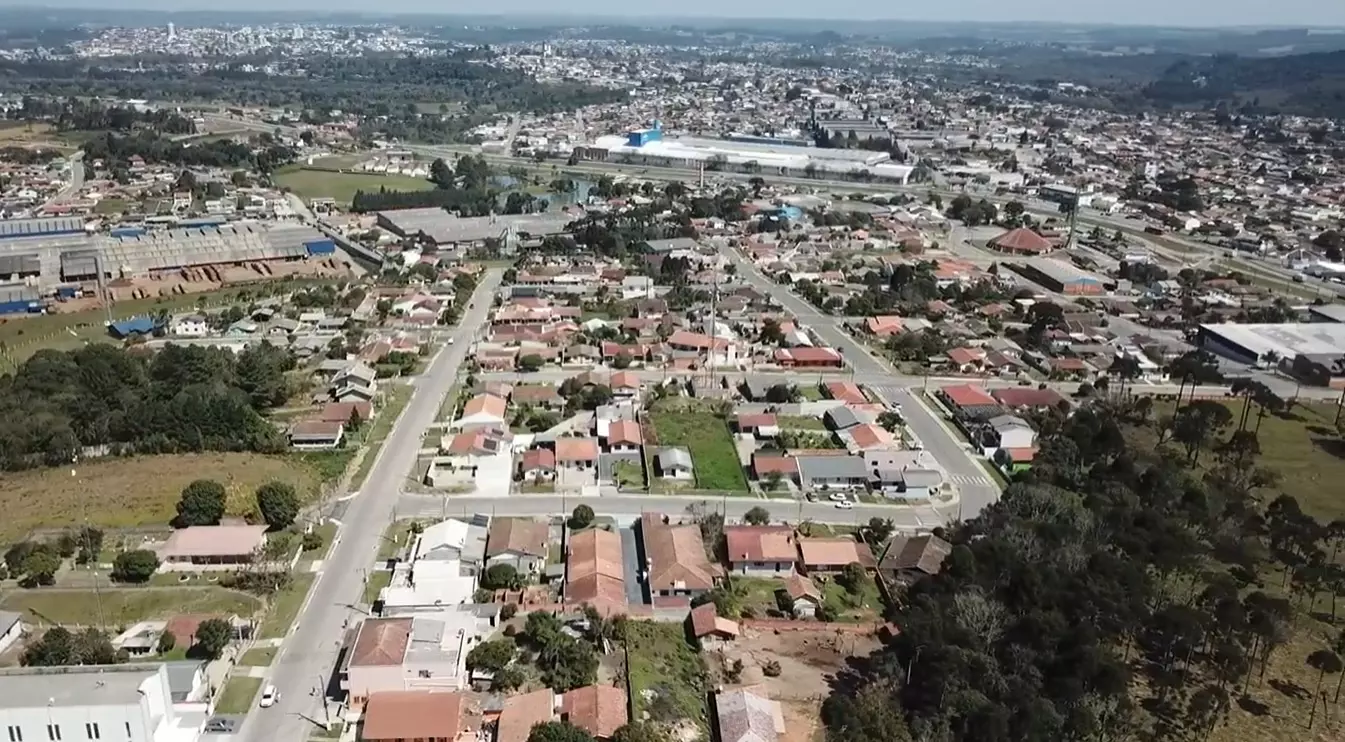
[
  {"x": 285, "y": 607},
  {"x": 124, "y": 606},
  {"x": 667, "y": 676},
  {"x": 865, "y": 605},
  {"x": 238, "y": 695},
  {"x": 394, "y": 538},
  {"x": 712, "y": 451},
  {"x": 1303, "y": 447},
  {"x": 110, "y": 206},
  {"x": 628, "y": 474},
  {"x": 800, "y": 422},
  {"x": 755, "y": 596},
  {"x": 810, "y": 392},
  {"x": 311, "y": 184},
  {"x": 259, "y": 657},
  {"x": 393, "y": 404},
  {"x": 328, "y": 532},
  {"x": 377, "y": 581}
]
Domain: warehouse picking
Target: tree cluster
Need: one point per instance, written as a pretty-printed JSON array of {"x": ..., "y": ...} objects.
[{"x": 178, "y": 399}]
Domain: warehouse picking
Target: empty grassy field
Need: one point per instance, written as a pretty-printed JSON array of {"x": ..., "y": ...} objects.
[
  {"x": 285, "y": 607},
  {"x": 1302, "y": 446},
  {"x": 667, "y": 676},
  {"x": 707, "y": 437},
  {"x": 311, "y": 184},
  {"x": 124, "y": 606},
  {"x": 238, "y": 695},
  {"x": 139, "y": 491},
  {"x": 259, "y": 657}
]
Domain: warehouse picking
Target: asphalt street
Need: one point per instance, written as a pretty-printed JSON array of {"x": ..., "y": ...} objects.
[{"x": 310, "y": 651}]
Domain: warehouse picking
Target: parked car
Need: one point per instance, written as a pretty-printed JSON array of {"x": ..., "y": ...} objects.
[
  {"x": 844, "y": 505},
  {"x": 221, "y": 726},
  {"x": 837, "y": 497}
]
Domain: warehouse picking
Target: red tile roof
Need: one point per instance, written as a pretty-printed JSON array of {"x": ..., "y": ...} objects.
[
  {"x": 676, "y": 555},
  {"x": 522, "y": 713},
  {"x": 705, "y": 621},
  {"x": 760, "y": 544},
  {"x": 756, "y": 420},
  {"x": 576, "y": 449},
  {"x": 1022, "y": 240},
  {"x": 381, "y": 642},
  {"x": 841, "y": 551},
  {"x": 415, "y": 714},
  {"x": 624, "y": 432},
  {"x": 599, "y": 710},
  {"x": 966, "y": 395},
  {"x": 595, "y": 572}
]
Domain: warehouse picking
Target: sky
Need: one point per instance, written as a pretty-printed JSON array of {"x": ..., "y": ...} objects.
[{"x": 1203, "y": 13}]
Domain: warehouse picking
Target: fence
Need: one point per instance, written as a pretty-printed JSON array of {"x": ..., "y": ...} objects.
[{"x": 816, "y": 627}]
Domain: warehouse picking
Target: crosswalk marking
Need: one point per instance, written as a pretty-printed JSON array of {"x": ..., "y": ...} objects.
[{"x": 969, "y": 479}]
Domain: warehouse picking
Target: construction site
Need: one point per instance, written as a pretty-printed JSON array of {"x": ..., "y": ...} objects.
[{"x": 70, "y": 271}]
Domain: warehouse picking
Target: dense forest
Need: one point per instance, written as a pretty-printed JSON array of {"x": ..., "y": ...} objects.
[
  {"x": 154, "y": 148},
  {"x": 1117, "y": 590},
  {"x": 74, "y": 114},
  {"x": 1300, "y": 84},
  {"x": 177, "y": 399}
]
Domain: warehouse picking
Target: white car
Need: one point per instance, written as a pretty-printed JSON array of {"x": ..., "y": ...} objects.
[
  {"x": 269, "y": 697},
  {"x": 844, "y": 505},
  {"x": 836, "y": 497}
]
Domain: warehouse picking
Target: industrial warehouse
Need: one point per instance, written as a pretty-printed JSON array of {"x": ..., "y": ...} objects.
[
  {"x": 1320, "y": 342},
  {"x": 1061, "y": 277},
  {"x": 56, "y": 258},
  {"x": 790, "y": 157},
  {"x": 443, "y": 229}
]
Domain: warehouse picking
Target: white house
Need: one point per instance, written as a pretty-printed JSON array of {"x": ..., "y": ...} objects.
[
  {"x": 1013, "y": 431},
  {"x": 131, "y": 703},
  {"x": 191, "y": 326}
]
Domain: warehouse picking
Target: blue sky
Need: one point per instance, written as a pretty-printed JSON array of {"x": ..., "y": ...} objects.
[{"x": 1130, "y": 12}]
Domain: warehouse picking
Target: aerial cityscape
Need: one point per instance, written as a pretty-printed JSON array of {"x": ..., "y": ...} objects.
[{"x": 446, "y": 378}]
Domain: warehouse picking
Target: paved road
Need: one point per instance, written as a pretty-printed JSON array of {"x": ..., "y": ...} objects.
[
  {"x": 628, "y": 508},
  {"x": 309, "y": 653},
  {"x": 76, "y": 165}
]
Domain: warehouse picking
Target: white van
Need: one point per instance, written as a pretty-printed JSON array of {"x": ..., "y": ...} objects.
[{"x": 269, "y": 696}]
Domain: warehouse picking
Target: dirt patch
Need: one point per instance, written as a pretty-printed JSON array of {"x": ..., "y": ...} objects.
[{"x": 807, "y": 659}]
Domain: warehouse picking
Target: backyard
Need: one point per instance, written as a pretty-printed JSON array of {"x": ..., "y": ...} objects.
[
  {"x": 139, "y": 491},
  {"x": 667, "y": 676},
  {"x": 124, "y": 606},
  {"x": 309, "y": 184},
  {"x": 706, "y": 435}
]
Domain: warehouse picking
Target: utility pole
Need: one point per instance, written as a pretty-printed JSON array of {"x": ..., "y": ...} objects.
[{"x": 84, "y": 516}]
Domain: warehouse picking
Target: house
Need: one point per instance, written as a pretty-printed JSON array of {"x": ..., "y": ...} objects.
[
  {"x": 537, "y": 465},
  {"x": 625, "y": 385},
  {"x": 802, "y": 594},
  {"x": 675, "y": 557},
  {"x": 882, "y": 327},
  {"x": 758, "y": 425},
  {"x": 599, "y": 710},
  {"x": 127, "y": 703},
  {"x": 844, "y": 417},
  {"x": 766, "y": 467},
  {"x": 831, "y": 555},
  {"x": 523, "y": 712},
  {"x": 1021, "y": 241},
  {"x": 419, "y": 716},
  {"x": 909, "y": 558},
  {"x": 867, "y": 437},
  {"x": 191, "y": 326},
  {"x": 968, "y": 400},
  {"x": 316, "y": 434},
  {"x": 709, "y": 628},
  {"x": 832, "y": 472},
  {"x": 809, "y": 358},
  {"x": 576, "y": 453},
  {"x": 483, "y": 410},
  {"x": 761, "y": 551},
  {"x": 11, "y": 628},
  {"x": 673, "y": 462},
  {"x": 624, "y": 436},
  {"x": 747, "y": 715},
  {"x": 400, "y": 653},
  {"x": 452, "y": 540},
  {"x": 354, "y": 391},
  {"x": 357, "y": 374},
  {"x": 522, "y": 543},
  {"x": 845, "y": 391},
  {"x": 1028, "y": 398},
  {"x": 595, "y": 572},
  {"x": 347, "y": 412},
  {"x": 544, "y": 396},
  {"x": 1013, "y": 431},
  {"x": 211, "y": 547}
]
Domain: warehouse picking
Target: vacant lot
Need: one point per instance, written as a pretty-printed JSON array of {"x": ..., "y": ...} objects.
[
  {"x": 667, "y": 677},
  {"x": 285, "y": 607},
  {"x": 311, "y": 184},
  {"x": 807, "y": 660},
  {"x": 711, "y": 444},
  {"x": 140, "y": 491},
  {"x": 125, "y": 606},
  {"x": 259, "y": 657}
]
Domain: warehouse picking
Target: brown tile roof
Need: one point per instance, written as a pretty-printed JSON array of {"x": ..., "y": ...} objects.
[
  {"x": 485, "y": 403},
  {"x": 339, "y": 412},
  {"x": 212, "y": 541},
  {"x": 599, "y": 710},
  {"x": 870, "y": 436},
  {"x": 840, "y": 550},
  {"x": 594, "y": 568},
  {"x": 535, "y": 394},
  {"x": 968, "y": 395},
  {"x": 517, "y": 535},
  {"x": 846, "y": 391},
  {"x": 319, "y": 428},
  {"x": 923, "y": 553},
  {"x": 538, "y": 458},
  {"x": 676, "y": 555},
  {"x": 760, "y": 544},
  {"x": 417, "y": 714},
  {"x": 624, "y": 432},
  {"x": 1022, "y": 240},
  {"x": 381, "y": 642},
  {"x": 756, "y": 420},
  {"x": 522, "y": 713},
  {"x": 797, "y": 586},
  {"x": 576, "y": 449},
  {"x": 764, "y": 464},
  {"x": 705, "y": 621},
  {"x": 625, "y": 380}
]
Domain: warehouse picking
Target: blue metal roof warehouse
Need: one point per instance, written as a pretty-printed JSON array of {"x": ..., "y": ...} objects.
[{"x": 11, "y": 228}]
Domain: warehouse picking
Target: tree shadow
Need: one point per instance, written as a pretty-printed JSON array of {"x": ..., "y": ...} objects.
[
  {"x": 1324, "y": 617},
  {"x": 1333, "y": 446},
  {"x": 1253, "y": 706},
  {"x": 1290, "y": 689}
]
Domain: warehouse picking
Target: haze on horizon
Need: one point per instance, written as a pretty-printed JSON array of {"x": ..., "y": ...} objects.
[{"x": 1311, "y": 13}]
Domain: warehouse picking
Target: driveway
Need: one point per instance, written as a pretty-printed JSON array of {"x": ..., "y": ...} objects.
[{"x": 630, "y": 557}]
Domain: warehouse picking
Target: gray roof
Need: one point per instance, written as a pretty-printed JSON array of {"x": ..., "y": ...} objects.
[
  {"x": 1000, "y": 422},
  {"x": 922, "y": 477},
  {"x": 443, "y": 227},
  {"x": 182, "y": 678},
  {"x": 673, "y": 457},
  {"x": 20, "y": 263},
  {"x": 675, "y": 243},
  {"x": 832, "y": 467},
  {"x": 8, "y": 619},
  {"x": 90, "y": 685},
  {"x": 840, "y": 418},
  {"x": 40, "y": 226},
  {"x": 18, "y": 292}
]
